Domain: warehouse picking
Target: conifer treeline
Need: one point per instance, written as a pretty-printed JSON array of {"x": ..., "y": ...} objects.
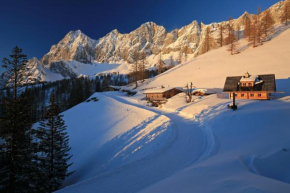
[{"x": 31, "y": 160}]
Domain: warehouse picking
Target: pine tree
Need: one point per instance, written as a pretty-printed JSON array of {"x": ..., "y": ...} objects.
[
  {"x": 15, "y": 67},
  {"x": 54, "y": 147},
  {"x": 16, "y": 152}
]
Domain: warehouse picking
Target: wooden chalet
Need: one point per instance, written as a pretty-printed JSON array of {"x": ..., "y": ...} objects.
[
  {"x": 161, "y": 94},
  {"x": 250, "y": 86},
  {"x": 111, "y": 88}
]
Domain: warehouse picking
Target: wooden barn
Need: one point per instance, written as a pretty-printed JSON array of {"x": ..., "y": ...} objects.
[
  {"x": 161, "y": 94},
  {"x": 250, "y": 86}
]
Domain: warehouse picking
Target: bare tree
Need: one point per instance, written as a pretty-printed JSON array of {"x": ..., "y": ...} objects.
[
  {"x": 232, "y": 38},
  {"x": 221, "y": 35},
  {"x": 185, "y": 52},
  {"x": 180, "y": 56},
  {"x": 229, "y": 30},
  {"x": 208, "y": 40},
  {"x": 171, "y": 63},
  {"x": 142, "y": 66},
  {"x": 248, "y": 29},
  {"x": 267, "y": 22},
  {"x": 286, "y": 13},
  {"x": 188, "y": 91},
  {"x": 160, "y": 66},
  {"x": 134, "y": 70}
]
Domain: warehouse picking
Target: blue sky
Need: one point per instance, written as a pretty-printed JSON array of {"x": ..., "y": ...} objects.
[{"x": 35, "y": 25}]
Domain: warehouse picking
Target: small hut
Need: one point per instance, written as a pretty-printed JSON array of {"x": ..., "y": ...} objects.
[{"x": 161, "y": 94}]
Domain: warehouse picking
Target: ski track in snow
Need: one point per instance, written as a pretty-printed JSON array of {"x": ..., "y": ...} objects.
[{"x": 192, "y": 144}]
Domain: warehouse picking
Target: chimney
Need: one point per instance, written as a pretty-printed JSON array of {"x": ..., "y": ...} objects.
[{"x": 247, "y": 75}]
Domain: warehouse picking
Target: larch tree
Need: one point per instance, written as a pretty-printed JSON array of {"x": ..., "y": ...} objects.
[
  {"x": 286, "y": 12},
  {"x": 142, "y": 66},
  {"x": 267, "y": 23},
  {"x": 171, "y": 62},
  {"x": 208, "y": 40},
  {"x": 220, "y": 39},
  {"x": 134, "y": 70},
  {"x": 248, "y": 29},
  {"x": 160, "y": 65},
  {"x": 54, "y": 147},
  {"x": 232, "y": 38}
]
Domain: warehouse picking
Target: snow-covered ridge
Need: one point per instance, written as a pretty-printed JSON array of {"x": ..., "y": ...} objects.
[{"x": 117, "y": 48}]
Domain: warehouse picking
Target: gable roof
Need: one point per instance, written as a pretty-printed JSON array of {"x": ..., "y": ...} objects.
[
  {"x": 160, "y": 90},
  {"x": 266, "y": 83}
]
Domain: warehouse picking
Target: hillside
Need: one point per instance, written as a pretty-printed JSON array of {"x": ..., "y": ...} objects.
[
  {"x": 192, "y": 147},
  {"x": 209, "y": 70}
]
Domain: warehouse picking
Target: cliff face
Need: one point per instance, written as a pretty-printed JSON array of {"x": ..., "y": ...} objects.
[{"x": 118, "y": 48}]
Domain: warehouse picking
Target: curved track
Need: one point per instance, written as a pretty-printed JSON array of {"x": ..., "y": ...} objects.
[{"x": 192, "y": 144}]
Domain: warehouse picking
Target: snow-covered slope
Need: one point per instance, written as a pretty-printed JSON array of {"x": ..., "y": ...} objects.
[
  {"x": 210, "y": 70},
  {"x": 206, "y": 148},
  {"x": 108, "y": 134}
]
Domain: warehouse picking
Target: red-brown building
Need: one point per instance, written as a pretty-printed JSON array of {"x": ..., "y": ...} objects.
[
  {"x": 251, "y": 86},
  {"x": 161, "y": 94}
]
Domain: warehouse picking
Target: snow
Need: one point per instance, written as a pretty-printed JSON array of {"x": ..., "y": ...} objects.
[
  {"x": 108, "y": 134},
  {"x": 120, "y": 144},
  {"x": 211, "y": 69},
  {"x": 159, "y": 90}
]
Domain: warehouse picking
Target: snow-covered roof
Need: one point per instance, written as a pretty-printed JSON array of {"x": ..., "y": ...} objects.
[
  {"x": 161, "y": 90},
  {"x": 252, "y": 78}
]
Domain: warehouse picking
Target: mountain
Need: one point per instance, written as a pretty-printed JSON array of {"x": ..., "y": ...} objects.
[
  {"x": 77, "y": 54},
  {"x": 121, "y": 144}
]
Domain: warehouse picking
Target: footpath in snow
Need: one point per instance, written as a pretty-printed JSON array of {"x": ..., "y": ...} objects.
[{"x": 190, "y": 145}]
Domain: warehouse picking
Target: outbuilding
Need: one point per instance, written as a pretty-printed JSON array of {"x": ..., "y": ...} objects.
[{"x": 162, "y": 94}]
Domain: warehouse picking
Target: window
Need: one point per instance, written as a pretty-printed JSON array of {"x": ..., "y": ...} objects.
[
  {"x": 242, "y": 95},
  {"x": 250, "y": 84},
  {"x": 259, "y": 95},
  {"x": 244, "y": 84},
  {"x": 252, "y": 95}
]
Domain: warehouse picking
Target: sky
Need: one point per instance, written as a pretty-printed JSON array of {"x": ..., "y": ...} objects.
[{"x": 35, "y": 25}]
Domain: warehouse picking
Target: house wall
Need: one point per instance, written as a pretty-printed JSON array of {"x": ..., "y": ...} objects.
[
  {"x": 165, "y": 95},
  {"x": 247, "y": 84},
  {"x": 154, "y": 95},
  {"x": 251, "y": 95}
]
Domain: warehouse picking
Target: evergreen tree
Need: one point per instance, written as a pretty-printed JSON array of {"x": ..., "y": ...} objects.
[
  {"x": 54, "y": 147},
  {"x": 15, "y": 66},
  {"x": 16, "y": 152}
]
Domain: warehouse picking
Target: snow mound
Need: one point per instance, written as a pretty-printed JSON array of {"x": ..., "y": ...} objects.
[
  {"x": 107, "y": 134},
  {"x": 275, "y": 165}
]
